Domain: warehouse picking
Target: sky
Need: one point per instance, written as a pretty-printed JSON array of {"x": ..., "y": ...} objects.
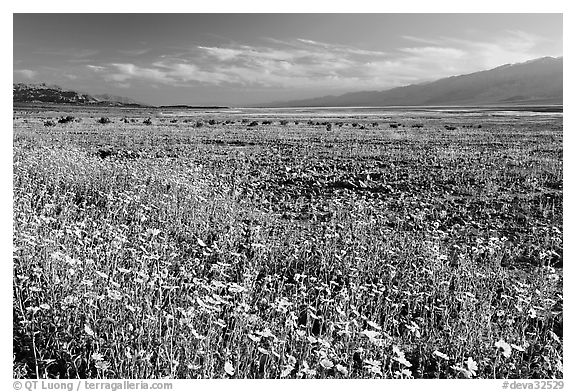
[{"x": 244, "y": 59}]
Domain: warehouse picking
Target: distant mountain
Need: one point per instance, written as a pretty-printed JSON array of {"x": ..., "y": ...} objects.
[
  {"x": 31, "y": 93},
  {"x": 192, "y": 107},
  {"x": 117, "y": 99},
  {"x": 533, "y": 82},
  {"x": 43, "y": 93}
]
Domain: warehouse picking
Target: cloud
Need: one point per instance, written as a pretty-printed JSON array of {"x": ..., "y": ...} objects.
[
  {"x": 96, "y": 68},
  {"x": 308, "y": 64},
  {"x": 26, "y": 73},
  {"x": 468, "y": 55}
]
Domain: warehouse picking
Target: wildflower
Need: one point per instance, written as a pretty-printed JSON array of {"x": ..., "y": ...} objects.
[
  {"x": 373, "y": 325},
  {"x": 472, "y": 366},
  {"x": 102, "y": 365},
  {"x": 441, "y": 355},
  {"x": 342, "y": 369},
  {"x": 326, "y": 363},
  {"x": 400, "y": 358},
  {"x": 254, "y": 338},
  {"x": 88, "y": 330},
  {"x": 229, "y": 368},
  {"x": 306, "y": 369},
  {"x": 287, "y": 370},
  {"x": 374, "y": 366},
  {"x": 97, "y": 357},
  {"x": 519, "y": 348},
  {"x": 504, "y": 347}
]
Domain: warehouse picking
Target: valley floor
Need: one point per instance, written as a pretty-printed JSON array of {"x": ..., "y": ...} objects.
[{"x": 303, "y": 244}]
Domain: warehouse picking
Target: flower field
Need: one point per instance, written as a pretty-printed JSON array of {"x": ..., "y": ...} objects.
[{"x": 207, "y": 246}]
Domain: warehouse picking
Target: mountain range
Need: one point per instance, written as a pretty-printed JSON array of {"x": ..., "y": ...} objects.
[{"x": 535, "y": 82}]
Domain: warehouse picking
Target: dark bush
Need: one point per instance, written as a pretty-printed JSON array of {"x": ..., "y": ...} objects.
[
  {"x": 266, "y": 122},
  {"x": 148, "y": 121},
  {"x": 49, "y": 123},
  {"x": 253, "y": 124},
  {"x": 104, "y": 120},
  {"x": 328, "y": 127},
  {"x": 64, "y": 120},
  {"x": 393, "y": 125},
  {"x": 449, "y": 127},
  {"x": 283, "y": 122},
  {"x": 199, "y": 124},
  {"x": 211, "y": 122}
]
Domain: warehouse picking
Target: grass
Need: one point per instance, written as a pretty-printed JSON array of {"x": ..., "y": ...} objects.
[{"x": 293, "y": 251}]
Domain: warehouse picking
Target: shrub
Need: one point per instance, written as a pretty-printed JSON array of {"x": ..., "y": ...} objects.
[
  {"x": 283, "y": 122},
  {"x": 49, "y": 123},
  {"x": 212, "y": 122},
  {"x": 329, "y": 127},
  {"x": 64, "y": 120},
  {"x": 148, "y": 121},
  {"x": 253, "y": 124},
  {"x": 104, "y": 120},
  {"x": 199, "y": 124}
]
